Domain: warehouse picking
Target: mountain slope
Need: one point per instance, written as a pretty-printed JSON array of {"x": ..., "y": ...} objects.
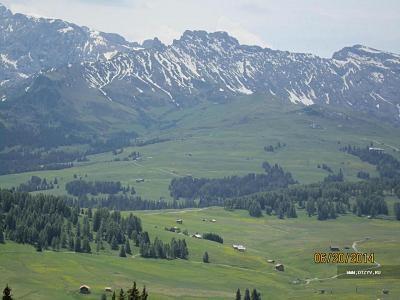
[
  {"x": 58, "y": 76},
  {"x": 29, "y": 44}
]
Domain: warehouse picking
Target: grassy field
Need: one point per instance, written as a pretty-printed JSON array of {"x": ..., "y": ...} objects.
[
  {"x": 292, "y": 242},
  {"x": 215, "y": 140}
]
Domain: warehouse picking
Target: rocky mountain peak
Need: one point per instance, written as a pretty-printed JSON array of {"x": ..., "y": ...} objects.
[{"x": 4, "y": 11}]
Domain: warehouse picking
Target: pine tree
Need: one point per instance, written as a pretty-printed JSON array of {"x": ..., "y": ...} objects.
[
  {"x": 310, "y": 207},
  {"x": 103, "y": 297},
  {"x": 396, "y": 208},
  {"x": 55, "y": 244},
  {"x": 121, "y": 295},
  {"x": 78, "y": 244},
  {"x": 255, "y": 209},
  {"x": 247, "y": 295},
  {"x": 185, "y": 251},
  {"x": 2, "y": 241},
  {"x": 113, "y": 296},
  {"x": 71, "y": 244},
  {"x": 122, "y": 252},
  {"x": 332, "y": 211},
  {"x": 98, "y": 246},
  {"x": 78, "y": 229},
  {"x": 86, "y": 246},
  {"x": 205, "y": 257},
  {"x": 63, "y": 240},
  {"x": 39, "y": 246},
  {"x": 114, "y": 244},
  {"x": 144, "y": 249},
  {"x": 7, "y": 293},
  {"x": 96, "y": 220},
  {"x": 292, "y": 211},
  {"x": 238, "y": 295},
  {"x": 69, "y": 227},
  {"x": 128, "y": 247},
  {"x": 144, "y": 294},
  {"x": 133, "y": 293},
  {"x": 255, "y": 295}
]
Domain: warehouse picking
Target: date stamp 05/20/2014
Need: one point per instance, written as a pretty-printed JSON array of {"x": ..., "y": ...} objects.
[{"x": 343, "y": 258}]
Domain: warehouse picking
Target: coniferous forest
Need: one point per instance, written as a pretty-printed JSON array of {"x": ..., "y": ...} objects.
[{"x": 49, "y": 222}]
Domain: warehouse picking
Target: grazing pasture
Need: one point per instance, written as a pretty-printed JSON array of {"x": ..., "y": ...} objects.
[{"x": 292, "y": 242}]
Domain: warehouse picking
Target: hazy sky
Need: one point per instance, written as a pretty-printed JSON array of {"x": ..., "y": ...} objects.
[{"x": 317, "y": 26}]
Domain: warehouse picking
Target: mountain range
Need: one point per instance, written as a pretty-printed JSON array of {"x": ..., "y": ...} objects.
[{"x": 49, "y": 67}]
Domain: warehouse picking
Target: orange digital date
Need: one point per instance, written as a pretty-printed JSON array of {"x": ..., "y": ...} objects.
[{"x": 343, "y": 258}]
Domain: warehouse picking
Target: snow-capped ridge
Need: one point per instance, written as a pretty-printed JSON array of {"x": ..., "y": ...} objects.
[{"x": 199, "y": 65}]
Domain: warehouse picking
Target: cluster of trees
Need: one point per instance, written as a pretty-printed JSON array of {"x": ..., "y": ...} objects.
[
  {"x": 126, "y": 202},
  {"x": 213, "y": 237},
  {"x": 78, "y": 241},
  {"x": 370, "y": 205},
  {"x": 157, "y": 140},
  {"x": 159, "y": 249},
  {"x": 134, "y": 155},
  {"x": 117, "y": 141},
  {"x": 234, "y": 186},
  {"x": 115, "y": 230},
  {"x": 387, "y": 165},
  {"x": 362, "y": 175},
  {"x": 325, "y": 167},
  {"x": 327, "y": 200},
  {"x": 132, "y": 294},
  {"x": 247, "y": 296},
  {"x": 48, "y": 221},
  {"x": 36, "y": 184},
  {"x": 335, "y": 177},
  {"x": 176, "y": 230},
  {"x": 255, "y": 209},
  {"x": 271, "y": 148},
  {"x": 82, "y": 187},
  {"x": 117, "y": 151},
  {"x": 37, "y": 220},
  {"x": 20, "y": 160}
]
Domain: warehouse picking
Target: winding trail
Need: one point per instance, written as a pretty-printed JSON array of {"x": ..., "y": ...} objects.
[{"x": 354, "y": 246}]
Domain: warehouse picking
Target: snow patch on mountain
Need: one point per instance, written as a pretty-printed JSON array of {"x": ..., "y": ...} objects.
[
  {"x": 65, "y": 29},
  {"x": 97, "y": 39},
  {"x": 299, "y": 98},
  {"x": 110, "y": 55},
  {"x": 10, "y": 62},
  {"x": 377, "y": 77}
]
